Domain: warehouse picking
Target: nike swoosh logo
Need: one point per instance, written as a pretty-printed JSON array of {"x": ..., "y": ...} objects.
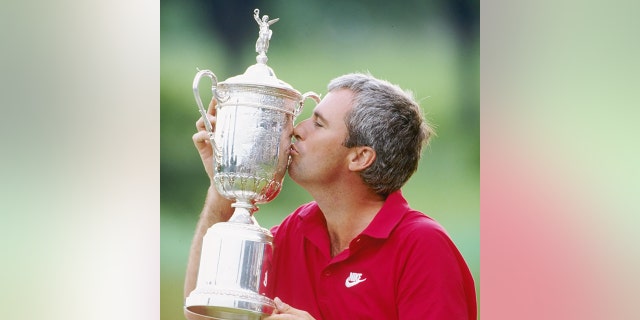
[{"x": 350, "y": 283}]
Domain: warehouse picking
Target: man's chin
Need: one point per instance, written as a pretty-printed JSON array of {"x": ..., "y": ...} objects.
[
  {"x": 292, "y": 172},
  {"x": 291, "y": 175}
]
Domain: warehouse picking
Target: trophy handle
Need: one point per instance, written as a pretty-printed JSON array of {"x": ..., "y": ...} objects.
[
  {"x": 203, "y": 112},
  {"x": 196, "y": 94},
  {"x": 305, "y": 96}
]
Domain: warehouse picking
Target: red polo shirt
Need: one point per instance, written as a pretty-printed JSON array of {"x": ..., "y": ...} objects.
[{"x": 402, "y": 266}]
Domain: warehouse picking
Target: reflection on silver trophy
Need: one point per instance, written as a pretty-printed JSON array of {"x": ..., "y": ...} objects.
[{"x": 255, "y": 115}]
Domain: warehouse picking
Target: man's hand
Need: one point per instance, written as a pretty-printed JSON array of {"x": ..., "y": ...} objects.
[
  {"x": 286, "y": 312},
  {"x": 201, "y": 139}
]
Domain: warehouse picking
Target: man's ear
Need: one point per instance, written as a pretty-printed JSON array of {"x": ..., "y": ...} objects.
[{"x": 361, "y": 158}]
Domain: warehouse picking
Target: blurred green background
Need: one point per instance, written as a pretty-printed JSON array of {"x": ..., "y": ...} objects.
[{"x": 428, "y": 47}]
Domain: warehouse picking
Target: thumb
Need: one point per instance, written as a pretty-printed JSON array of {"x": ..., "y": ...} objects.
[
  {"x": 285, "y": 311},
  {"x": 281, "y": 306}
]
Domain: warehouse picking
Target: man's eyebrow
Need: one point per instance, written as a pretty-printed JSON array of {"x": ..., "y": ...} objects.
[{"x": 319, "y": 116}]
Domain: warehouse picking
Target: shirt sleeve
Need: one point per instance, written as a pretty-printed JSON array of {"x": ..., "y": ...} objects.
[{"x": 435, "y": 282}]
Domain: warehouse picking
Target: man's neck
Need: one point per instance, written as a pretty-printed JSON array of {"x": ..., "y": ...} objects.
[{"x": 347, "y": 212}]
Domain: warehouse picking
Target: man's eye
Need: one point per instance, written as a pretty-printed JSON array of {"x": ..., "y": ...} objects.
[{"x": 317, "y": 124}]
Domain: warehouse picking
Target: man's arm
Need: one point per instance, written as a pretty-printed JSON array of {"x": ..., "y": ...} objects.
[{"x": 435, "y": 282}]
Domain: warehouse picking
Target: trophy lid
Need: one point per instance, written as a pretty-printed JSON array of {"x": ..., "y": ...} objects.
[{"x": 260, "y": 74}]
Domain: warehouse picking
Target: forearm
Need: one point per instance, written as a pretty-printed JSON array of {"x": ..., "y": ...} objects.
[{"x": 216, "y": 209}]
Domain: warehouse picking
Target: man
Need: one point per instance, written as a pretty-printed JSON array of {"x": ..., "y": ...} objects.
[{"x": 358, "y": 251}]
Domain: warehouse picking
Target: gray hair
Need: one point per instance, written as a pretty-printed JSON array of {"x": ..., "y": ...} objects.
[{"x": 387, "y": 119}]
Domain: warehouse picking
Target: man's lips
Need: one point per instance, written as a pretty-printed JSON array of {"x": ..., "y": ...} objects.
[{"x": 293, "y": 150}]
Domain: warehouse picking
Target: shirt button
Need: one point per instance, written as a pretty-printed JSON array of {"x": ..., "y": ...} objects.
[{"x": 327, "y": 273}]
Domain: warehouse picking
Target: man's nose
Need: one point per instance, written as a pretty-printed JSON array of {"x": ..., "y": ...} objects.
[{"x": 298, "y": 130}]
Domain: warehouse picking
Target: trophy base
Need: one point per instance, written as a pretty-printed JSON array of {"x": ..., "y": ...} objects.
[
  {"x": 225, "y": 313},
  {"x": 230, "y": 305}
]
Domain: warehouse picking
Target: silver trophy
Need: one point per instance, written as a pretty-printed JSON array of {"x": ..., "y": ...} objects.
[{"x": 255, "y": 113}]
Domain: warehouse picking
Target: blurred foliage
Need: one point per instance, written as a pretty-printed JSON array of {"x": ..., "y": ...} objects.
[{"x": 428, "y": 47}]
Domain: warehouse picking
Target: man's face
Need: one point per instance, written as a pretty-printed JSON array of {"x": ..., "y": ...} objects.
[{"x": 318, "y": 156}]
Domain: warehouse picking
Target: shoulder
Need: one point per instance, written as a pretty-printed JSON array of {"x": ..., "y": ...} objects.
[
  {"x": 419, "y": 232},
  {"x": 417, "y": 225},
  {"x": 294, "y": 219},
  {"x": 427, "y": 252}
]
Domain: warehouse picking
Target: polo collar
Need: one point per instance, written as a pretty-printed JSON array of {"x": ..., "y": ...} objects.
[{"x": 394, "y": 207}]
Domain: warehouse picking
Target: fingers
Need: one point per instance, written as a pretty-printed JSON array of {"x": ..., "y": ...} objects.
[
  {"x": 212, "y": 107},
  {"x": 200, "y": 123},
  {"x": 200, "y": 138},
  {"x": 285, "y": 311},
  {"x": 281, "y": 306},
  {"x": 211, "y": 112}
]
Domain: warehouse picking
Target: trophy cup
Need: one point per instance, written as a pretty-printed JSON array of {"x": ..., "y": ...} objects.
[{"x": 255, "y": 113}]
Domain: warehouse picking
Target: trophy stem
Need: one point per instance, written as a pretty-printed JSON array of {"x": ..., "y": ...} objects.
[{"x": 243, "y": 212}]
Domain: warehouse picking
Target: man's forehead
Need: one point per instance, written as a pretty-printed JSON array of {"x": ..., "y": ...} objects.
[
  {"x": 336, "y": 101},
  {"x": 318, "y": 115}
]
